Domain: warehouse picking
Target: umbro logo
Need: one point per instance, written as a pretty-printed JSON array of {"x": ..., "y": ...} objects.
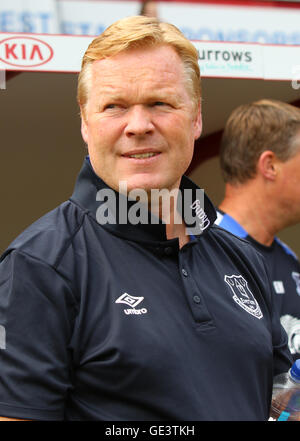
[{"x": 131, "y": 301}]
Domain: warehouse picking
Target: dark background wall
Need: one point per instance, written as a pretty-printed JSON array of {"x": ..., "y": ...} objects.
[{"x": 42, "y": 149}]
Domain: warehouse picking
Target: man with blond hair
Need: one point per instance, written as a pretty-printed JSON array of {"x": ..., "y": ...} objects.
[
  {"x": 260, "y": 162},
  {"x": 115, "y": 305}
]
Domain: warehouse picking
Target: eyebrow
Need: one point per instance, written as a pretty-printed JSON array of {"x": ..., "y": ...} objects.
[{"x": 151, "y": 96}]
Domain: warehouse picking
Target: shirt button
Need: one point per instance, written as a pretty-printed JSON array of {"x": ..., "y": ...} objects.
[
  {"x": 168, "y": 251},
  {"x": 197, "y": 299},
  {"x": 159, "y": 251},
  {"x": 184, "y": 272}
]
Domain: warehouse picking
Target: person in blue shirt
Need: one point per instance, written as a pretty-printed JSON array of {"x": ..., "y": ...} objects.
[
  {"x": 113, "y": 308},
  {"x": 260, "y": 163}
]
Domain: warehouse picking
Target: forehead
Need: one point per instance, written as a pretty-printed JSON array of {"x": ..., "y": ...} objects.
[{"x": 156, "y": 67}]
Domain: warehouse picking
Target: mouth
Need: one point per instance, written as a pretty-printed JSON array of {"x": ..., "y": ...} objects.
[
  {"x": 139, "y": 155},
  {"x": 142, "y": 155}
]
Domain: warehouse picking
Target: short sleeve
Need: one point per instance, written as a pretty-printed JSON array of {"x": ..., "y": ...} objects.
[{"x": 37, "y": 312}]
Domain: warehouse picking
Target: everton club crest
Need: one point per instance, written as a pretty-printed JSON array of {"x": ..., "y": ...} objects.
[{"x": 243, "y": 296}]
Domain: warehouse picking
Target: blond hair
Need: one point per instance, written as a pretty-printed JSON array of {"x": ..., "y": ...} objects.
[
  {"x": 140, "y": 32},
  {"x": 252, "y": 129}
]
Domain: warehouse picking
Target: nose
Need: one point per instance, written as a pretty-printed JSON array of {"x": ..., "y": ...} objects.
[{"x": 139, "y": 121}]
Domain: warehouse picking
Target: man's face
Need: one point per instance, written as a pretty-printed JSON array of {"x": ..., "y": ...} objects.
[{"x": 140, "y": 123}]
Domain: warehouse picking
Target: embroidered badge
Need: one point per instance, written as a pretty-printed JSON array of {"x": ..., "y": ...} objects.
[
  {"x": 278, "y": 286},
  {"x": 243, "y": 296}
]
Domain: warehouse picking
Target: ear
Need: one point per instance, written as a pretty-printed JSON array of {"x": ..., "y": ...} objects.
[
  {"x": 84, "y": 127},
  {"x": 267, "y": 165},
  {"x": 198, "y": 122}
]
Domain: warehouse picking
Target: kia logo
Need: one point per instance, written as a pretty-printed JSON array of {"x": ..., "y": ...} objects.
[{"x": 25, "y": 51}]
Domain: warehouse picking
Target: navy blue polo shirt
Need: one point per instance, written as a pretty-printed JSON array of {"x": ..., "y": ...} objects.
[
  {"x": 284, "y": 270},
  {"x": 114, "y": 322}
]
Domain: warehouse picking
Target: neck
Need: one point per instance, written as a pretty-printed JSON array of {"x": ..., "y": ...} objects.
[
  {"x": 166, "y": 210},
  {"x": 252, "y": 208},
  {"x": 177, "y": 231}
]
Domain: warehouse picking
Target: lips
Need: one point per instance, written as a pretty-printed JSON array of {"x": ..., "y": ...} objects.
[{"x": 141, "y": 154}]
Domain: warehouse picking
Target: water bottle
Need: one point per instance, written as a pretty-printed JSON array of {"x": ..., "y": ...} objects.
[{"x": 286, "y": 395}]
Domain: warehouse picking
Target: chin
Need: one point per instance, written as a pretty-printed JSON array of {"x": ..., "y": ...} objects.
[{"x": 146, "y": 183}]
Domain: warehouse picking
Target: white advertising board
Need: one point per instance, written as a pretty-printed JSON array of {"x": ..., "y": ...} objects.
[
  {"x": 41, "y": 52},
  {"x": 32, "y": 16},
  {"x": 210, "y": 21},
  {"x": 90, "y": 17},
  {"x": 227, "y": 22},
  {"x": 63, "y": 53},
  {"x": 230, "y": 60}
]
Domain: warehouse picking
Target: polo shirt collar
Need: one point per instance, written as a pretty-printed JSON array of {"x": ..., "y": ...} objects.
[{"x": 201, "y": 212}]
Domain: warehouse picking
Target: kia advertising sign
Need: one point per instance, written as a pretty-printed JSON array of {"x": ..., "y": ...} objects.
[
  {"x": 41, "y": 52},
  {"x": 23, "y": 51}
]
